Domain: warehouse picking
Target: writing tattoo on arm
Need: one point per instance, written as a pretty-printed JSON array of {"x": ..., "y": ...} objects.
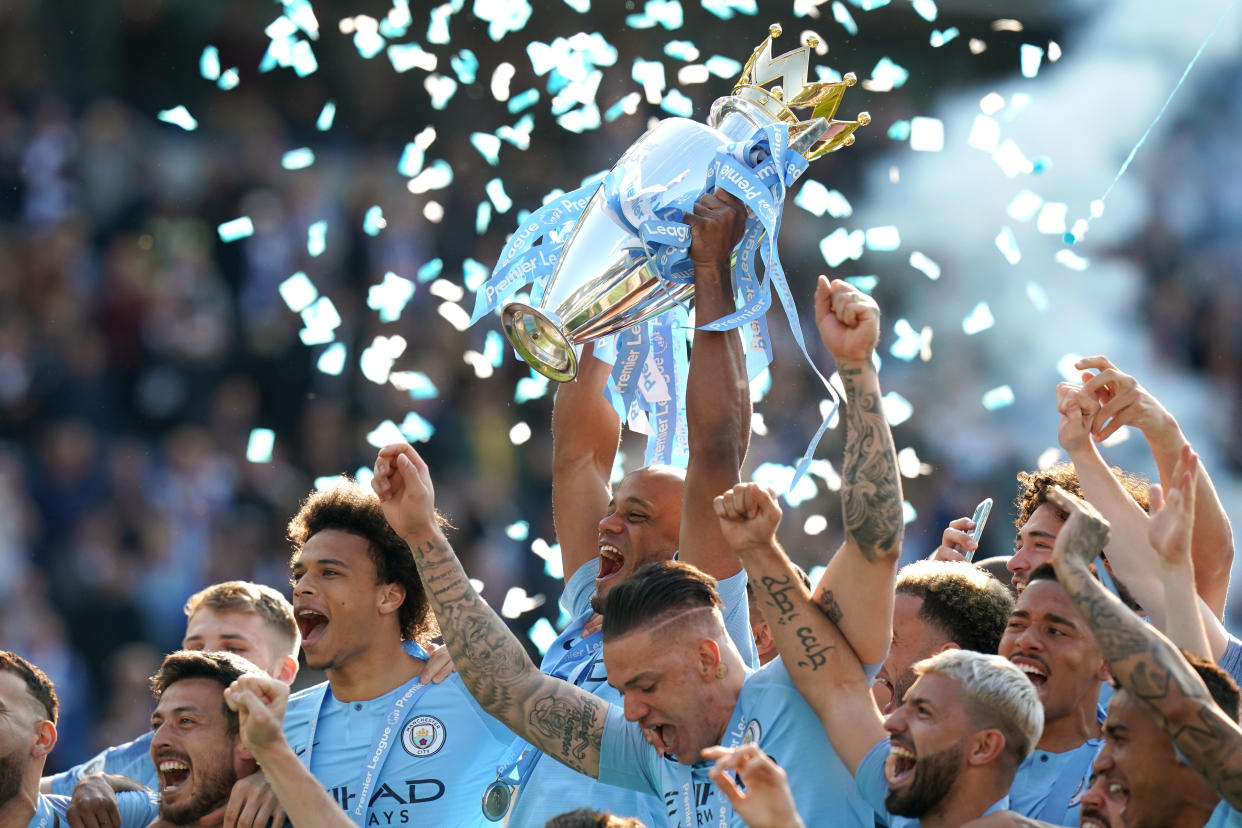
[
  {"x": 871, "y": 490},
  {"x": 555, "y": 716}
]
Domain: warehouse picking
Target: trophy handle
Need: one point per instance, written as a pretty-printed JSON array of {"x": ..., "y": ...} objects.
[{"x": 540, "y": 339}]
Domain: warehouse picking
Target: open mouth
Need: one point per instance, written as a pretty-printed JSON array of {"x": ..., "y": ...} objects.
[
  {"x": 1093, "y": 819},
  {"x": 899, "y": 767},
  {"x": 173, "y": 774},
  {"x": 886, "y": 688},
  {"x": 610, "y": 561},
  {"x": 312, "y": 625},
  {"x": 1037, "y": 673},
  {"x": 662, "y": 738}
]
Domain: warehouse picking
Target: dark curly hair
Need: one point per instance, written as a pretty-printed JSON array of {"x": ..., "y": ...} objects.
[
  {"x": 968, "y": 605},
  {"x": 1033, "y": 489},
  {"x": 37, "y": 683},
  {"x": 220, "y": 667},
  {"x": 349, "y": 507}
]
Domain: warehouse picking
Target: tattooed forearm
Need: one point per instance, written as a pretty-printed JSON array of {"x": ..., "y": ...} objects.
[
  {"x": 780, "y": 592},
  {"x": 830, "y": 607},
  {"x": 871, "y": 490},
  {"x": 553, "y": 715},
  {"x": 814, "y": 652},
  {"x": 1160, "y": 680}
]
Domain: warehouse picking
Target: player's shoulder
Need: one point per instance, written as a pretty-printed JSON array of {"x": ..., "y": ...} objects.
[{"x": 305, "y": 702}]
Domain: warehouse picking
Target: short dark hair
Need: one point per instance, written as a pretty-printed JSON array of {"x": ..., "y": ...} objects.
[
  {"x": 654, "y": 592},
  {"x": 1219, "y": 683},
  {"x": 1043, "y": 572},
  {"x": 257, "y": 599},
  {"x": 965, "y": 603},
  {"x": 591, "y": 818},
  {"x": 220, "y": 667},
  {"x": 348, "y": 507},
  {"x": 1047, "y": 572},
  {"x": 1033, "y": 489},
  {"x": 38, "y": 684}
]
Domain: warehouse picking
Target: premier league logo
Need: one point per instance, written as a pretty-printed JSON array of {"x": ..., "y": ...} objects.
[
  {"x": 423, "y": 736},
  {"x": 753, "y": 732}
]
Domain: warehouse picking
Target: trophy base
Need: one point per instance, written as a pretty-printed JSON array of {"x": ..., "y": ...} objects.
[{"x": 539, "y": 339}]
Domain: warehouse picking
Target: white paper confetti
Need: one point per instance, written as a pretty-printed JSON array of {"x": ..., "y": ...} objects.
[
  {"x": 416, "y": 429},
  {"x": 1030, "y": 57},
  {"x": 897, "y": 409},
  {"x": 1048, "y": 458},
  {"x": 1024, "y": 205},
  {"x": 260, "y": 445},
  {"x": 999, "y": 397},
  {"x": 298, "y": 159},
  {"x": 1007, "y": 244},
  {"x": 926, "y": 134},
  {"x": 332, "y": 360},
  {"x": 238, "y": 228},
  {"x": 519, "y": 434},
  {"x": 298, "y": 292},
  {"x": 979, "y": 319},
  {"x": 1037, "y": 296},
  {"x": 925, "y": 265},
  {"x": 883, "y": 238},
  {"x": 179, "y": 116},
  {"x": 985, "y": 134},
  {"x": 317, "y": 238},
  {"x": 1052, "y": 218},
  {"x": 815, "y": 525},
  {"x": 518, "y": 603},
  {"x": 840, "y": 245}
]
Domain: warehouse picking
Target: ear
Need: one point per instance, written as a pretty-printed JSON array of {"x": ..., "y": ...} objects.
[
  {"x": 948, "y": 645},
  {"x": 707, "y": 654},
  {"x": 45, "y": 739},
  {"x": 392, "y": 596},
  {"x": 286, "y": 669},
  {"x": 763, "y": 637},
  {"x": 985, "y": 747},
  {"x": 244, "y": 763},
  {"x": 1105, "y": 672}
]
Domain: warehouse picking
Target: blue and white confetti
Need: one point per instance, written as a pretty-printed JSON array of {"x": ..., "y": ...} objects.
[
  {"x": 373, "y": 222},
  {"x": 298, "y": 159},
  {"x": 978, "y": 320},
  {"x": 332, "y": 360},
  {"x": 259, "y": 446},
  {"x": 926, "y": 134},
  {"x": 1007, "y": 244},
  {"x": 326, "y": 116},
  {"x": 390, "y": 296},
  {"x": 179, "y": 116},
  {"x": 317, "y": 238},
  {"x": 298, "y": 292},
  {"x": 897, "y": 409},
  {"x": 999, "y": 397},
  {"x": 924, "y": 265},
  {"x": 238, "y": 228}
]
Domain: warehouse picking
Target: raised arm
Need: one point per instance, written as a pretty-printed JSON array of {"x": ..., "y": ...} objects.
[
  {"x": 717, "y": 390},
  {"x": 856, "y": 589},
  {"x": 1125, "y": 402},
  {"x": 1129, "y": 550},
  {"x": 556, "y": 717},
  {"x": 1147, "y": 664},
  {"x": 1169, "y": 530},
  {"x": 260, "y": 703},
  {"x": 823, "y": 666},
  {"x": 585, "y": 433}
]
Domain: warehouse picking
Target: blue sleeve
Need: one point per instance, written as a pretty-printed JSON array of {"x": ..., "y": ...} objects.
[
  {"x": 872, "y": 785},
  {"x": 1231, "y": 659},
  {"x": 132, "y": 759},
  {"x": 576, "y": 599},
  {"x": 625, "y": 758},
  {"x": 732, "y": 591},
  {"x": 138, "y": 808},
  {"x": 1224, "y": 817}
]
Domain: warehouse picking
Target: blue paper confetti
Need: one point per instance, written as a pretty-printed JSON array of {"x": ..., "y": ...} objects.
[
  {"x": 523, "y": 100},
  {"x": 415, "y": 383},
  {"x": 682, "y": 50},
  {"x": 840, "y": 245},
  {"x": 899, "y": 131},
  {"x": 925, "y": 9},
  {"x": 1038, "y": 296},
  {"x": 779, "y": 476},
  {"x": 888, "y": 75},
  {"x": 474, "y": 274},
  {"x": 416, "y": 429},
  {"x": 926, "y": 266},
  {"x": 910, "y": 342},
  {"x": 666, "y": 13},
  {"x": 431, "y": 270},
  {"x": 229, "y": 79},
  {"x": 390, "y": 296},
  {"x": 817, "y": 199},
  {"x": 298, "y": 292},
  {"x": 542, "y": 634},
  {"x": 179, "y": 116},
  {"x": 883, "y": 238},
  {"x": 482, "y": 217},
  {"x": 999, "y": 397},
  {"x": 209, "y": 63},
  {"x": 495, "y": 190},
  {"x": 723, "y": 67},
  {"x": 436, "y": 177},
  {"x": 530, "y": 388},
  {"x": 386, "y": 433},
  {"x": 1030, "y": 56},
  {"x": 441, "y": 88},
  {"x": 724, "y": 9},
  {"x": 407, "y": 56},
  {"x": 321, "y": 320},
  {"x": 411, "y": 162},
  {"x": 494, "y": 348},
  {"x": 979, "y": 319},
  {"x": 518, "y": 531},
  {"x": 332, "y": 360},
  {"x": 303, "y": 59},
  {"x": 675, "y": 103},
  {"x": 626, "y": 106},
  {"x": 488, "y": 146},
  {"x": 842, "y": 15},
  {"x": 317, "y": 238},
  {"x": 908, "y": 514},
  {"x": 502, "y": 16},
  {"x": 939, "y": 38},
  {"x": 259, "y": 446},
  {"x": 298, "y": 159},
  {"x": 864, "y": 283},
  {"x": 373, "y": 222},
  {"x": 437, "y": 26},
  {"x": 580, "y": 6},
  {"x": 869, "y": 5},
  {"x": 238, "y": 228},
  {"x": 926, "y": 134},
  {"x": 326, "y": 116},
  {"x": 465, "y": 65},
  {"x": 1007, "y": 244}
]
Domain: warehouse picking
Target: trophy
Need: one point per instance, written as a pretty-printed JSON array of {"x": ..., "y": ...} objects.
[{"x": 618, "y": 268}]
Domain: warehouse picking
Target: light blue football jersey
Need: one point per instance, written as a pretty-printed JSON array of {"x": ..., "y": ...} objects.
[
  {"x": 138, "y": 809},
  {"x": 551, "y": 788},
  {"x": 770, "y": 712},
  {"x": 873, "y": 786},
  {"x": 1047, "y": 785},
  {"x": 1224, "y": 817},
  {"x": 442, "y": 751},
  {"x": 132, "y": 759}
]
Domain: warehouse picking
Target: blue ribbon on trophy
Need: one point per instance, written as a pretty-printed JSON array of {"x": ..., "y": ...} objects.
[{"x": 623, "y": 273}]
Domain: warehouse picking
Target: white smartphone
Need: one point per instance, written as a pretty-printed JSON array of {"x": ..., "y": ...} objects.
[{"x": 980, "y": 518}]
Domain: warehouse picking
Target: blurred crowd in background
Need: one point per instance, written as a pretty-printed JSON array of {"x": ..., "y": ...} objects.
[{"x": 138, "y": 351}]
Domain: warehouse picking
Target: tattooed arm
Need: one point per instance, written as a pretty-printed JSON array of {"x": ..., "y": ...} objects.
[
  {"x": 821, "y": 662},
  {"x": 553, "y": 715},
  {"x": 1148, "y": 666},
  {"x": 857, "y": 586},
  {"x": 717, "y": 391}
]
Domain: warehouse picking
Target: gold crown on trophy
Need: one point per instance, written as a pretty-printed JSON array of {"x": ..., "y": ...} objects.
[{"x": 795, "y": 92}]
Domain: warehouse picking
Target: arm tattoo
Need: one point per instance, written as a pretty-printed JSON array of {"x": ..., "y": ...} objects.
[
  {"x": 552, "y": 714},
  {"x": 830, "y": 607},
  {"x": 1162, "y": 683},
  {"x": 778, "y": 590},
  {"x": 871, "y": 494}
]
